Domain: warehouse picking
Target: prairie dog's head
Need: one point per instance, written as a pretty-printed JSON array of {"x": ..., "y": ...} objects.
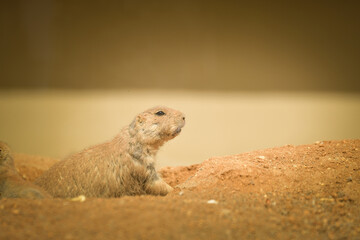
[
  {"x": 157, "y": 125},
  {"x": 5, "y": 152}
]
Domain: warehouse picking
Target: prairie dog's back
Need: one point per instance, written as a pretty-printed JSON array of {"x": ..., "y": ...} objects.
[{"x": 80, "y": 173}]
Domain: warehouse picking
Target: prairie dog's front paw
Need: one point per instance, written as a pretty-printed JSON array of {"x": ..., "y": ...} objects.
[
  {"x": 158, "y": 187},
  {"x": 169, "y": 188}
]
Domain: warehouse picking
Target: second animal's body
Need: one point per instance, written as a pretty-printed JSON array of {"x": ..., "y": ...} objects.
[{"x": 11, "y": 184}]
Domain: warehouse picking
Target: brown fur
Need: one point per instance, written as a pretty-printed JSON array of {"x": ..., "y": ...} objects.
[
  {"x": 11, "y": 184},
  {"x": 123, "y": 166}
]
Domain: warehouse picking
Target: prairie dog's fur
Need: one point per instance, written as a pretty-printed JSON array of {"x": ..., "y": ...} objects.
[
  {"x": 11, "y": 184},
  {"x": 123, "y": 166}
]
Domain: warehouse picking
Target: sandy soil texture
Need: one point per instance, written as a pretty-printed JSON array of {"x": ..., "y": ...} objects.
[{"x": 290, "y": 192}]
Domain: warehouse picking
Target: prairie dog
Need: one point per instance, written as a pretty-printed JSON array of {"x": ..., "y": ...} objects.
[
  {"x": 11, "y": 184},
  {"x": 123, "y": 166}
]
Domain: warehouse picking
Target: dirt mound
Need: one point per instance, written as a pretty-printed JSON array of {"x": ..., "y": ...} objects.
[
  {"x": 291, "y": 192},
  {"x": 330, "y": 167},
  {"x": 30, "y": 167}
]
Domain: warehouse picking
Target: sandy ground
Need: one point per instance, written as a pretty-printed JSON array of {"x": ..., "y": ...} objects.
[{"x": 290, "y": 192}]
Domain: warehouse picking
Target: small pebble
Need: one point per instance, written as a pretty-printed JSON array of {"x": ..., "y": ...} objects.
[
  {"x": 261, "y": 157},
  {"x": 212, "y": 201},
  {"x": 181, "y": 193},
  {"x": 80, "y": 198},
  {"x": 225, "y": 212},
  {"x": 327, "y": 199},
  {"x": 15, "y": 211}
]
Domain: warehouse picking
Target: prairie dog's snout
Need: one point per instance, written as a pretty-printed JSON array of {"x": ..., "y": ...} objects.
[{"x": 4, "y": 151}]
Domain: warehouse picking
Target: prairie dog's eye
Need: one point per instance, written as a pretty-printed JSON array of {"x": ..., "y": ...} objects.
[{"x": 160, "y": 113}]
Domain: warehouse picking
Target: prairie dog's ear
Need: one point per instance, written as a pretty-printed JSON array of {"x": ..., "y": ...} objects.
[{"x": 140, "y": 119}]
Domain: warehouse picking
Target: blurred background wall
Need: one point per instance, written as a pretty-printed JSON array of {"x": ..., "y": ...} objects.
[{"x": 248, "y": 74}]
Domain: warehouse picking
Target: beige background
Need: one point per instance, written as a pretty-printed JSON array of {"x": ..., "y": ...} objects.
[
  {"x": 58, "y": 123},
  {"x": 248, "y": 75}
]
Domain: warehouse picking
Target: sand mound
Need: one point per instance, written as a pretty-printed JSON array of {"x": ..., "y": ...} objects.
[{"x": 324, "y": 167}]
